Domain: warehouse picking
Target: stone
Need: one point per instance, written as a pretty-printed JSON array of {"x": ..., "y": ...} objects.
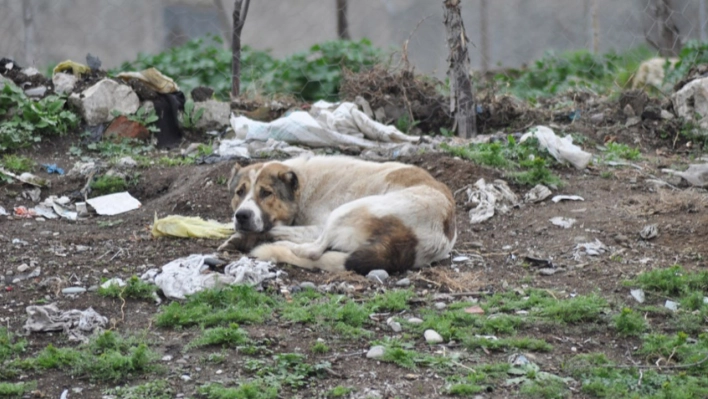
[
  {"x": 38, "y": 91},
  {"x": 202, "y": 93},
  {"x": 216, "y": 114},
  {"x": 375, "y": 352},
  {"x": 394, "y": 325},
  {"x": 378, "y": 275},
  {"x": 126, "y": 163},
  {"x": 97, "y": 103},
  {"x": 691, "y": 101},
  {"x": 23, "y": 268},
  {"x": 125, "y": 128},
  {"x": 415, "y": 321},
  {"x": 597, "y": 118},
  {"x": 432, "y": 337},
  {"x": 308, "y": 285},
  {"x": 666, "y": 115},
  {"x": 64, "y": 83},
  {"x": 440, "y": 305},
  {"x": 404, "y": 282}
]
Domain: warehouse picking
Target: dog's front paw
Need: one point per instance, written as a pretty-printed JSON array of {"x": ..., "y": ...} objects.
[
  {"x": 307, "y": 251},
  {"x": 232, "y": 243},
  {"x": 243, "y": 242}
]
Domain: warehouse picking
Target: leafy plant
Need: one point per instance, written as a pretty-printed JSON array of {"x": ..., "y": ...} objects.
[
  {"x": 135, "y": 288},
  {"x": 17, "y": 164},
  {"x": 629, "y": 323},
  {"x": 158, "y": 389},
  {"x": 621, "y": 151},
  {"x": 108, "y": 184},
  {"x": 143, "y": 117},
  {"x": 191, "y": 117}
]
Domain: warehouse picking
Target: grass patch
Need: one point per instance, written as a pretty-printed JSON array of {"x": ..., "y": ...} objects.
[
  {"x": 319, "y": 348},
  {"x": 404, "y": 355},
  {"x": 335, "y": 312},
  {"x": 231, "y": 336},
  {"x": 10, "y": 345},
  {"x": 482, "y": 380},
  {"x": 208, "y": 308},
  {"x": 523, "y": 343},
  {"x": 135, "y": 288},
  {"x": 16, "y": 389},
  {"x": 246, "y": 390},
  {"x": 108, "y": 184},
  {"x": 615, "y": 151},
  {"x": 673, "y": 281},
  {"x": 17, "y": 164},
  {"x": 338, "y": 392},
  {"x": 585, "y": 308},
  {"x": 158, "y": 389},
  {"x": 629, "y": 323}
]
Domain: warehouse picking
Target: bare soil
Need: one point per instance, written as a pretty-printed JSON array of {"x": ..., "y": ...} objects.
[{"x": 613, "y": 211}]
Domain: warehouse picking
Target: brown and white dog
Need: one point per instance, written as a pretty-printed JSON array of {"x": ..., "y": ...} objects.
[{"x": 338, "y": 213}]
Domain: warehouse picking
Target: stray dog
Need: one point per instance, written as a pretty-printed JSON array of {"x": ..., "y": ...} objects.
[{"x": 338, "y": 213}]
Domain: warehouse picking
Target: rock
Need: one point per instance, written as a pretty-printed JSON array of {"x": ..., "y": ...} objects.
[
  {"x": 671, "y": 305},
  {"x": 308, "y": 285},
  {"x": 432, "y": 337},
  {"x": 666, "y": 115},
  {"x": 440, "y": 305},
  {"x": 691, "y": 101},
  {"x": 621, "y": 239},
  {"x": 375, "y": 352},
  {"x": 82, "y": 248},
  {"x": 38, "y": 91},
  {"x": 64, "y": 83},
  {"x": 202, "y": 93},
  {"x": 415, "y": 321},
  {"x": 30, "y": 71},
  {"x": 404, "y": 282},
  {"x": 98, "y": 101},
  {"x": 652, "y": 112},
  {"x": 125, "y": 128},
  {"x": 395, "y": 326},
  {"x": 185, "y": 377},
  {"x": 126, "y": 163},
  {"x": 378, "y": 275},
  {"x": 475, "y": 310},
  {"x": 597, "y": 118},
  {"x": 638, "y": 295},
  {"x": 216, "y": 114},
  {"x": 23, "y": 268},
  {"x": 167, "y": 358}
]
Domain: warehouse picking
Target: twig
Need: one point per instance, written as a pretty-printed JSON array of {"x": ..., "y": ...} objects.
[
  {"x": 674, "y": 367},
  {"x": 338, "y": 355}
]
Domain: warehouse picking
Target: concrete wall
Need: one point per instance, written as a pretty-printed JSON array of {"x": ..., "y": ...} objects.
[{"x": 519, "y": 31}]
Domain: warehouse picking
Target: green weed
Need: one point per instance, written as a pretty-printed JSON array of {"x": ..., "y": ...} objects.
[
  {"x": 673, "y": 281},
  {"x": 617, "y": 151},
  {"x": 143, "y": 117},
  {"x": 246, "y": 390},
  {"x": 629, "y": 323},
  {"x": 135, "y": 288},
  {"x": 158, "y": 389},
  {"x": 17, "y": 164},
  {"x": 319, "y": 348},
  {"x": 10, "y": 346},
  {"x": 16, "y": 389},
  {"x": 335, "y": 312},
  {"x": 339, "y": 392},
  {"x": 108, "y": 184},
  {"x": 585, "y": 308},
  {"x": 191, "y": 118},
  {"x": 231, "y": 336}
]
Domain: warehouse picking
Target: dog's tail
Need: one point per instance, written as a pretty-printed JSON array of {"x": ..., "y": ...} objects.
[{"x": 331, "y": 261}]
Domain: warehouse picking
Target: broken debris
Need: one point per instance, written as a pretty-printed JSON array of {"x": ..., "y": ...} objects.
[
  {"x": 188, "y": 227},
  {"x": 114, "y": 204},
  {"x": 563, "y": 222},
  {"x": 490, "y": 198},
  {"x": 75, "y": 323}
]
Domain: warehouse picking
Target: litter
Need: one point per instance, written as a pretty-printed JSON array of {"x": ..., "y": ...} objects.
[
  {"x": 695, "y": 175},
  {"x": 559, "y": 198},
  {"x": 23, "y": 212},
  {"x": 638, "y": 295},
  {"x": 45, "y": 211},
  {"x": 53, "y": 168},
  {"x": 589, "y": 248},
  {"x": 26, "y": 276},
  {"x": 562, "y": 149},
  {"x": 33, "y": 195},
  {"x": 563, "y": 222},
  {"x": 59, "y": 205},
  {"x": 3, "y": 212},
  {"x": 186, "y": 276},
  {"x": 114, "y": 204},
  {"x": 117, "y": 281},
  {"x": 490, "y": 198},
  {"x": 187, "y": 227},
  {"x": 27, "y": 178},
  {"x": 75, "y": 323},
  {"x": 153, "y": 79},
  {"x": 649, "y": 231},
  {"x": 76, "y": 68},
  {"x": 537, "y": 194}
]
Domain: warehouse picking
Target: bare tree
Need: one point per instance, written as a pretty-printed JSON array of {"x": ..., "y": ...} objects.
[
  {"x": 238, "y": 19},
  {"x": 462, "y": 102},
  {"x": 342, "y": 23},
  {"x": 662, "y": 34}
]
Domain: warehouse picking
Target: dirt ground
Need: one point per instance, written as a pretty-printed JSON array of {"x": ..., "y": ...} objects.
[{"x": 614, "y": 210}]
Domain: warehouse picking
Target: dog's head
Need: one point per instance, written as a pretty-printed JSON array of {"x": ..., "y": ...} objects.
[{"x": 265, "y": 195}]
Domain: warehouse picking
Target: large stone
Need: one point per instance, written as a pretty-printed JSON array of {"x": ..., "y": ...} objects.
[
  {"x": 64, "y": 82},
  {"x": 216, "y": 114},
  {"x": 125, "y": 128},
  {"x": 98, "y": 102},
  {"x": 692, "y": 101}
]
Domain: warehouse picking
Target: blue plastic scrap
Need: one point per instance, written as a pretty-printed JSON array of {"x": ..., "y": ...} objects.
[{"x": 53, "y": 168}]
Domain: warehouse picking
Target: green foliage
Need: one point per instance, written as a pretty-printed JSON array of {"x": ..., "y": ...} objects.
[
  {"x": 693, "y": 53},
  {"x": 158, "y": 389},
  {"x": 285, "y": 369},
  {"x": 17, "y": 164},
  {"x": 319, "y": 347},
  {"x": 338, "y": 392},
  {"x": 247, "y": 390},
  {"x": 629, "y": 323},
  {"x": 335, "y": 312},
  {"x": 108, "y": 184},
  {"x": 585, "y": 308},
  {"x": 24, "y": 121},
  {"x": 135, "y": 288},
  {"x": 143, "y": 117},
  {"x": 310, "y": 75},
  {"x": 673, "y": 281},
  {"x": 236, "y": 304},
  {"x": 10, "y": 346},
  {"x": 526, "y": 164},
  {"x": 231, "y": 336},
  {"x": 16, "y": 389},
  {"x": 617, "y": 151},
  {"x": 191, "y": 117}
]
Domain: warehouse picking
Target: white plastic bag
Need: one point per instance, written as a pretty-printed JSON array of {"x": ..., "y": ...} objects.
[{"x": 561, "y": 148}]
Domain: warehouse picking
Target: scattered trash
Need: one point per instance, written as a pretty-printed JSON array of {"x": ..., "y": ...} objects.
[
  {"x": 33, "y": 195},
  {"x": 559, "y": 198},
  {"x": 27, "y": 178},
  {"x": 186, "y": 276},
  {"x": 538, "y": 261},
  {"x": 53, "y": 168},
  {"x": 517, "y": 359},
  {"x": 563, "y": 222},
  {"x": 490, "y": 198},
  {"x": 432, "y": 337},
  {"x": 562, "y": 149},
  {"x": 404, "y": 282},
  {"x": 547, "y": 271},
  {"x": 671, "y": 305},
  {"x": 117, "y": 281},
  {"x": 38, "y": 91},
  {"x": 475, "y": 310},
  {"x": 114, "y": 204},
  {"x": 26, "y": 276},
  {"x": 695, "y": 175},
  {"x": 537, "y": 194},
  {"x": 74, "y": 323},
  {"x": 458, "y": 259},
  {"x": 649, "y": 231},
  {"x": 153, "y": 78},
  {"x": 23, "y": 212},
  {"x": 638, "y": 295},
  {"x": 187, "y": 227},
  {"x": 73, "y": 290},
  {"x": 3, "y": 212},
  {"x": 590, "y": 249}
]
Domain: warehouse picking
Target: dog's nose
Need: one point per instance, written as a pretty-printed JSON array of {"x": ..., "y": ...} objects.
[{"x": 243, "y": 216}]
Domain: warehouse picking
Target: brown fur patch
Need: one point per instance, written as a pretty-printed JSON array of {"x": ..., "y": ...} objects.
[
  {"x": 276, "y": 192},
  {"x": 414, "y": 176},
  {"x": 391, "y": 246}
]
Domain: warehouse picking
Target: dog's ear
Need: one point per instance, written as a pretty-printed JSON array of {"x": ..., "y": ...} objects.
[
  {"x": 290, "y": 179},
  {"x": 233, "y": 179}
]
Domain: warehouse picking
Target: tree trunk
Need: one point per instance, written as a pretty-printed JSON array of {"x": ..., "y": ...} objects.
[
  {"x": 667, "y": 38},
  {"x": 342, "y": 23},
  {"x": 462, "y": 102},
  {"x": 238, "y": 19}
]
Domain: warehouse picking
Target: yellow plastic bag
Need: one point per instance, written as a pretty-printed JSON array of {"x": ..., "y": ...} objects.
[
  {"x": 186, "y": 227},
  {"x": 75, "y": 68},
  {"x": 153, "y": 79}
]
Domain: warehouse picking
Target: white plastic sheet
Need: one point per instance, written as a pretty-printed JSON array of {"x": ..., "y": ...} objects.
[{"x": 561, "y": 148}]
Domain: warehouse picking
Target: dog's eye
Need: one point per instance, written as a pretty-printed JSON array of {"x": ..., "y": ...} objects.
[
  {"x": 241, "y": 191},
  {"x": 265, "y": 193}
]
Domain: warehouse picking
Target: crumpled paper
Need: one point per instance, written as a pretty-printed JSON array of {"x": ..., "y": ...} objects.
[
  {"x": 490, "y": 198},
  {"x": 186, "y": 276},
  {"x": 76, "y": 324}
]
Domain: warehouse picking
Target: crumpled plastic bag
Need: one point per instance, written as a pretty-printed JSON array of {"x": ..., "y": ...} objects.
[
  {"x": 76, "y": 68},
  {"x": 696, "y": 174},
  {"x": 190, "y": 227},
  {"x": 74, "y": 323},
  {"x": 490, "y": 198},
  {"x": 187, "y": 276},
  {"x": 153, "y": 79},
  {"x": 561, "y": 148}
]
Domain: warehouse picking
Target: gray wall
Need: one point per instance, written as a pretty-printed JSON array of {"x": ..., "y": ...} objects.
[{"x": 519, "y": 31}]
